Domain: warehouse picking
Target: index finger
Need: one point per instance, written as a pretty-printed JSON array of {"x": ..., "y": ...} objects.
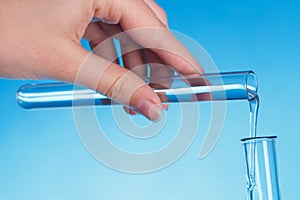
[{"x": 143, "y": 26}]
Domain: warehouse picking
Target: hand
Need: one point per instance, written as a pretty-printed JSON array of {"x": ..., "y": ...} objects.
[{"x": 41, "y": 40}]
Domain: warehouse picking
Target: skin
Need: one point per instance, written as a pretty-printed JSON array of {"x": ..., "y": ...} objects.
[{"x": 41, "y": 40}]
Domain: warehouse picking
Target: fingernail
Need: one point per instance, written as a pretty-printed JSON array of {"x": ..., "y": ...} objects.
[
  {"x": 151, "y": 110},
  {"x": 155, "y": 112}
]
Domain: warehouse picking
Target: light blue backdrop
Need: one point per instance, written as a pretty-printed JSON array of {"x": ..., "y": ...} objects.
[{"x": 41, "y": 156}]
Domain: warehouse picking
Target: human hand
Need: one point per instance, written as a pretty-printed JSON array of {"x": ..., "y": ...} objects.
[{"x": 41, "y": 40}]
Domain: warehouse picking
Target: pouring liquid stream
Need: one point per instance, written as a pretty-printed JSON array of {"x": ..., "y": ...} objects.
[{"x": 254, "y": 107}]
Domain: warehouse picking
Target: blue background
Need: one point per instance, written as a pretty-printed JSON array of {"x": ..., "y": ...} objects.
[{"x": 41, "y": 156}]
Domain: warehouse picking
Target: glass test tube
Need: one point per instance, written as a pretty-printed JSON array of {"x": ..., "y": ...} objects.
[
  {"x": 262, "y": 182},
  {"x": 207, "y": 87}
]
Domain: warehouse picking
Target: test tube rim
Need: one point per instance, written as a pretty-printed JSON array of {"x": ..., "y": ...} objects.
[
  {"x": 251, "y": 80},
  {"x": 258, "y": 138}
]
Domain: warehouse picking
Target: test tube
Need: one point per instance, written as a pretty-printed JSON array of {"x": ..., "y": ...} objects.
[
  {"x": 207, "y": 87},
  {"x": 262, "y": 174}
]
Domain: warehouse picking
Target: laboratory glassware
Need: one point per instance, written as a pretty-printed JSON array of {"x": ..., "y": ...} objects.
[
  {"x": 261, "y": 166},
  {"x": 207, "y": 87}
]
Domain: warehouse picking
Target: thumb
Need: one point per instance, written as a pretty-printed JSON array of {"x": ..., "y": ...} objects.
[{"x": 110, "y": 79}]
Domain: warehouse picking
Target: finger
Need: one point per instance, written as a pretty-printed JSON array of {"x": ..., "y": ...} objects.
[
  {"x": 160, "y": 75},
  {"x": 107, "y": 78},
  {"x": 159, "y": 12},
  {"x": 130, "y": 111},
  {"x": 159, "y": 70},
  {"x": 100, "y": 42},
  {"x": 122, "y": 84},
  {"x": 133, "y": 61},
  {"x": 132, "y": 56},
  {"x": 131, "y": 51},
  {"x": 94, "y": 34},
  {"x": 158, "y": 37}
]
